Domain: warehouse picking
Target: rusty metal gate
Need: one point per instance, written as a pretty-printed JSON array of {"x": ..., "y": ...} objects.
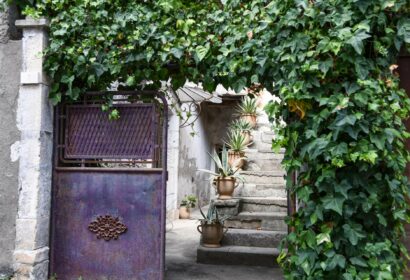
[{"x": 108, "y": 202}]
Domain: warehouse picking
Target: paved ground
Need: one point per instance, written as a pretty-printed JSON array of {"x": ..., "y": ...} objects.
[{"x": 182, "y": 242}]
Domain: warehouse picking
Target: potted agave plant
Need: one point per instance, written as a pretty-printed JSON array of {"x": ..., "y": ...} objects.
[
  {"x": 248, "y": 110},
  {"x": 187, "y": 203},
  {"x": 236, "y": 154},
  {"x": 212, "y": 227},
  {"x": 226, "y": 179},
  {"x": 244, "y": 128}
]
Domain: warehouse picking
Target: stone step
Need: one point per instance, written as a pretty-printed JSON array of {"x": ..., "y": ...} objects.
[
  {"x": 263, "y": 204},
  {"x": 259, "y": 221},
  {"x": 253, "y": 238},
  {"x": 262, "y": 161},
  {"x": 261, "y": 190},
  {"x": 238, "y": 255},
  {"x": 255, "y": 155},
  {"x": 263, "y": 135},
  {"x": 263, "y": 177},
  {"x": 262, "y": 139}
]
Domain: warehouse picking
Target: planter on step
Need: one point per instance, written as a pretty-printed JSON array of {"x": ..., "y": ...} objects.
[
  {"x": 188, "y": 202},
  {"x": 212, "y": 234},
  {"x": 247, "y": 136},
  {"x": 225, "y": 186},
  {"x": 184, "y": 212},
  {"x": 248, "y": 110},
  {"x": 250, "y": 118},
  {"x": 236, "y": 159}
]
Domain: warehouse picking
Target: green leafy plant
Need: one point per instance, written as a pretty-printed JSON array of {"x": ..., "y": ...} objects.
[
  {"x": 189, "y": 201},
  {"x": 222, "y": 165},
  {"x": 248, "y": 106},
  {"x": 240, "y": 125},
  {"x": 236, "y": 141},
  {"x": 224, "y": 169},
  {"x": 212, "y": 216}
]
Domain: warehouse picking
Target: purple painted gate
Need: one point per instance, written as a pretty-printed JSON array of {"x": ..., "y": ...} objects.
[{"x": 108, "y": 208}]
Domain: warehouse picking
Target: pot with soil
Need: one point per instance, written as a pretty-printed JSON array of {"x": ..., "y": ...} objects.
[
  {"x": 226, "y": 178},
  {"x": 212, "y": 228},
  {"x": 187, "y": 203},
  {"x": 248, "y": 111},
  {"x": 225, "y": 186}
]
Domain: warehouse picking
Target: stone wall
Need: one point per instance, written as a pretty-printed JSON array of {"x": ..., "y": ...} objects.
[
  {"x": 172, "y": 165},
  {"x": 10, "y": 64},
  {"x": 193, "y": 155},
  {"x": 210, "y": 131}
]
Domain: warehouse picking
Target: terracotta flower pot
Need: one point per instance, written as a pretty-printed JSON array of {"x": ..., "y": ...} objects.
[
  {"x": 250, "y": 118},
  {"x": 212, "y": 234},
  {"x": 184, "y": 212},
  {"x": 248, "y": 137},
  {"x": 225, "y": 187},
  {"x": 235, "y": 159}
]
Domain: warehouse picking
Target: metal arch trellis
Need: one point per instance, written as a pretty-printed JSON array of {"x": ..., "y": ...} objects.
[{"x": 192, "y": 110}]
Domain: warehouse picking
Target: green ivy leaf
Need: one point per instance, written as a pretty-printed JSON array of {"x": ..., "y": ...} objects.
[
  {"x": 336, "y": 261},
  {"x": 357, "y": 40},
  {"x": 353, "y": 234},
  {"x": 358, "y": 261},
  {"x": 334, "y": 203},
  {"x": 201, "y": 52}
]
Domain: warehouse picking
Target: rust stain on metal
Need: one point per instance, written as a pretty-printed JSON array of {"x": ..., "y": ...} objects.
[{"x": 107, "y": 227}]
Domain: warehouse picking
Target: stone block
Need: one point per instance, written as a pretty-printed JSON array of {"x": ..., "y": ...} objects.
[
  {"x": 32, "y": 257},
  {"x": 30, "y": 272},
  {"x": 229, "y": 207},
  {"x": 263, "y": 177},
  {"x": 253, "y": 204},
  {"x": 258, "y": 221},
  {"x": 35, "y": 112},
  {"x": 27, "y": 78},
  {"x": 238, "y": 255},
  {"x": 253, "y": 238},
  {"x": 262, "y": 190}
]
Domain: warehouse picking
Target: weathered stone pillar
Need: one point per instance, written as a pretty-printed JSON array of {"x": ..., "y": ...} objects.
[
  {"x": 172, "y": 165},
  {"x": 34, "y": 120}
]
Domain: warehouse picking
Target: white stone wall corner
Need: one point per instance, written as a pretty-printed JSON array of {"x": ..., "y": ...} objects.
[{"x": 35, "y": 122}]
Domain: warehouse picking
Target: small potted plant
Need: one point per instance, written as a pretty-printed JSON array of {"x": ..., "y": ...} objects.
[
  {"x": 187, "y": 203},
  {"x": 236, "y": 154},
  {"x": 212, "y": 227},
  {"x": 244, "y": 128},
  {"x": 248, "y": 110},
  {"x": 226, "y": 179}
]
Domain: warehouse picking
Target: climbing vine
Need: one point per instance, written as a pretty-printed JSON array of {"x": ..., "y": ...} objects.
[
  {"x": 332, "y": 63},
  {"x": 344, "y": 137}
]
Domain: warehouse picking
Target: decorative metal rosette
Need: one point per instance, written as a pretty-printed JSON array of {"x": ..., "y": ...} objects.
[{"x": 107, "y": 227}]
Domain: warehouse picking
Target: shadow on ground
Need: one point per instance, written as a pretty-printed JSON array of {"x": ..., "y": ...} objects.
[{"x": 181, "y": 244}]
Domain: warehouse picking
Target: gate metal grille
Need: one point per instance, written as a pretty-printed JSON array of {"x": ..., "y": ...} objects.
[
  {"x": 90, "y": 134},
  {"x": 108, "y": 208}
]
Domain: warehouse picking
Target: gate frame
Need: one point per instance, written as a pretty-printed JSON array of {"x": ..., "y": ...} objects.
[{"x": 164, "y": 149}]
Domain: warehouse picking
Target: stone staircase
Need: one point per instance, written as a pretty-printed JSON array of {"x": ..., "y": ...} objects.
[{"x": 256, "y": 224}]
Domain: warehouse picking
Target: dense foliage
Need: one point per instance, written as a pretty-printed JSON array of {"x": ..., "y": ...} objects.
[
  {"x": 344, "y": 137},
  {"x": 332, "y": 63}
]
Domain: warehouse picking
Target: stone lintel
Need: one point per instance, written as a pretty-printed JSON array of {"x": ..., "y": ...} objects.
[{"x": 32, "y": 23}]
